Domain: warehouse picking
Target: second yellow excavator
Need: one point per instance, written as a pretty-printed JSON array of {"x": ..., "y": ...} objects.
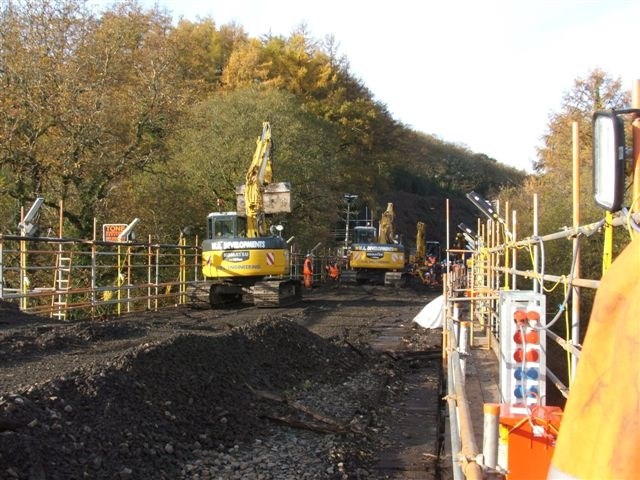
[{"x": 376, "y": 256}]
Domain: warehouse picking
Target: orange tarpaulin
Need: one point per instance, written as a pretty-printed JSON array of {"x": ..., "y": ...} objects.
[{"x": 600, "y": 433}]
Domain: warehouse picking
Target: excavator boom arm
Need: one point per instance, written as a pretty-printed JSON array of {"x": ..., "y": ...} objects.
[
  {"x": 387, "y": 234},
  {"x": 258, "y": 175}
]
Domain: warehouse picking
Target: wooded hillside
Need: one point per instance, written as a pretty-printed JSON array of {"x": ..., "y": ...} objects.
[{"x": 124, "y": 114}]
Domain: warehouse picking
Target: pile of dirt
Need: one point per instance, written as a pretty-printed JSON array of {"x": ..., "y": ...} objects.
[
  {"x": 10, "y": 315},
  {"x": 148, "y": 408}
]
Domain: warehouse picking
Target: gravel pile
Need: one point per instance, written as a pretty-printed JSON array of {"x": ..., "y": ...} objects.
[{"x": 269, "y": 400}]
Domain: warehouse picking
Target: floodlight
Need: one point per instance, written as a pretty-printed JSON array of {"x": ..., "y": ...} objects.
[
  {"x": 609, "y": 158},
  {"x": 466, "y": 229},
  {"x": 470, "y": 241},
  {"x": 27, "y": 225},
  {"x": 484, "y": 206},
  {"x": 276, "y": 230},
  {"x": 124, "y": 236}
]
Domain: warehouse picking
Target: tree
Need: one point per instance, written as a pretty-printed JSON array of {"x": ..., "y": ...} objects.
[
  {"x": 203, "y": 51},
  {"x": 553, "y": 184},
  {"x": 86, "y": 101},
  {"x": 212, "y": 149}
]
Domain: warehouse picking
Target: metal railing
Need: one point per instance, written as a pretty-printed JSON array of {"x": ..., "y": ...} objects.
[
  {"x": 67, "y": 278},
  {"x": 73, "y": 278},
  {"x": 476, "y": 284}
]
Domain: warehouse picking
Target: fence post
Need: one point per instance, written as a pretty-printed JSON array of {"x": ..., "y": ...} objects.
[
  {"x": 1, "y": 270},
  {"x": 93, "y": 270},
  {"x": 157, "y": 276},
  {"x": 463, "y": 346},
  {"x": 575, "y": 291},
  {"x": 149, "y": 257},
  {"x": 24, "y": 281},
  {"x": 119, "y": 279},
  {"x": 128, "y": 278},
  {"x": 183, "y": 270},
  {"x": 490, "y": 434}
]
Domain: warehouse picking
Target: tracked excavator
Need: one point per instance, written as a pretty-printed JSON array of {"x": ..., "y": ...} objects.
[
  {"x": 242, "y": 255},
  {"x": 376, "y": 256},
  {"x": 425, "y": 266}
]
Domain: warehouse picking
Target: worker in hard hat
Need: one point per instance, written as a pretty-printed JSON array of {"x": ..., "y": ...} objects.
[{"x": 600, "y": 431}]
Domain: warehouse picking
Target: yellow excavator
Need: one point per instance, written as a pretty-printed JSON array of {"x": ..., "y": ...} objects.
[
  {"x": 242, "y": 254},
  {"x": 376, "y": 256},
  {"x": 425, "y": 265}
]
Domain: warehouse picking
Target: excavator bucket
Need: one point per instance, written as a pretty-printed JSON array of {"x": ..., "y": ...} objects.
[{"x": 276, "y": 198}]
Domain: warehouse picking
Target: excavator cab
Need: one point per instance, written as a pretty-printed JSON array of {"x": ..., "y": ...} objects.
[
  {"x": 225, "y": 225},
  {"x": 364, "y": 235}
]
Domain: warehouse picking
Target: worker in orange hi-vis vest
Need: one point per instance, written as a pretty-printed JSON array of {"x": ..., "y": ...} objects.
[
  {"x": 333, "y": 271},
  {"x": 599, "y": 435},
  {"x": 307, "y": 271}
]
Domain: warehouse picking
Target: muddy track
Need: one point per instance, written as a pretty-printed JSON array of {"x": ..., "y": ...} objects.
[{"x": 160, "y": 394}]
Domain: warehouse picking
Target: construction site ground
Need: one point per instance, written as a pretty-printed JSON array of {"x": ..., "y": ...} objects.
[{"x": 176, "y": 394}]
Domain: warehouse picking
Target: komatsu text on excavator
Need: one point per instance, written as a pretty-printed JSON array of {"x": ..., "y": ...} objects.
[{"x": 243, "y": 254}]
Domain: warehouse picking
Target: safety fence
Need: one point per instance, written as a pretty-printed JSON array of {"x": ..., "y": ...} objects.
[
  {"x": 72, "y": 278},
  {"x": 475, "y": 293},
  {"x": 68, "y": 278}
]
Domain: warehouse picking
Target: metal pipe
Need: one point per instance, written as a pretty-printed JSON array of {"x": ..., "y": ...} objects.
[
  {"x": 588, "y": 230},
  {"x": 469, "y": 450},
  {"x": 455, "y": 316},
  {"x": 149, "y": 264},
  {"x": 94, "y": 271},
  {"x": 463, "y": 346},
  {"x": 514, "y": 256},
  {"x": 580, "y": 282},
  {"x": 157, "y": 278},
  {"x": 454, "y": 435},
  {"x": 536, "y": 248},
  {"x": 575, "y": 290},
  {"x": 490, "y": 434},
  {"x": 635, "y": 195},
  {"x": 506, "y": 250},
  {"x": 447, "y": 235}
]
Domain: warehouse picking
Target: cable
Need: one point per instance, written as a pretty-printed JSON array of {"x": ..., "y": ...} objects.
[
  {"x": 568, "y": 330},
  {"x": 631, "y": 223},
  {"x": 562, "y": 307}
]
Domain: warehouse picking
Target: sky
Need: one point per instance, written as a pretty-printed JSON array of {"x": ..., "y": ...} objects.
[{"x": 485, "y": 74}]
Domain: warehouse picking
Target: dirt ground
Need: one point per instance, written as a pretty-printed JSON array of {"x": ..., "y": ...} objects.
[{"x": 139, "y": 396}]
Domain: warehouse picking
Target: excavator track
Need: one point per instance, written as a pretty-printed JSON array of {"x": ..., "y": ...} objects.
[
  {"x": 276, "y": 293},
  {"x": 213, "y": 295},
  {"x": 198, "y": 294}
]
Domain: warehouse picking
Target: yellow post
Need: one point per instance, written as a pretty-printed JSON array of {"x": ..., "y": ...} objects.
[
  {"x": 607, "y": 253},
  {"x": 24, "y": 281},
  {"x": 128, "y": 279},
  {"x": 506, "y": 245},
  {"x": 149, "y": 259},
  {"x": 119, "y": 279},
  {"x": 183, "y": 270}
]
